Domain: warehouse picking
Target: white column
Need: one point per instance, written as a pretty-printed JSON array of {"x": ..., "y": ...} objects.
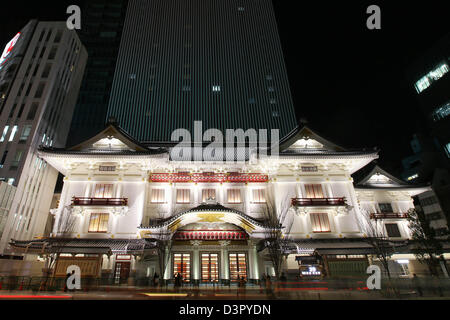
[
  {"x": 87, "y": 192},
  {"x": 254, "y": 253},
  {"x": 167, "y": 272},
  {"x": 196, "y": 263},
  {"x": 329, "y": 190},
  {"x": 224, "y": 260}
]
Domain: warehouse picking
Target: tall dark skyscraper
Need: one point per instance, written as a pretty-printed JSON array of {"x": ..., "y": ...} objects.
[
  {"x": 102, "y": 24},
  {"x": 218, "y": 61}
]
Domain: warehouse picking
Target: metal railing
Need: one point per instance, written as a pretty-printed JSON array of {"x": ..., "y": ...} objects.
[
  {"x": 81, "y": 201},
  {"x": 388, "y": 215},
  {"x": 312, "y": 202}
]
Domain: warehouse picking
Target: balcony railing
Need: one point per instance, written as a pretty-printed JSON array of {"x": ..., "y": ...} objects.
[
  {"x": 109, "y": 202},
  {"x": 388, "y": 215},
  {"x": 315, "y": 202}
]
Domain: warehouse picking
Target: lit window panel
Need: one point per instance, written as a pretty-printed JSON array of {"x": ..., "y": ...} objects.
[
  {"x": 182, "y": 265},
  {"x": 238, "y": 266},
  {"x": 320, "y": 222},
  {"x": 210, "y": 267},
  {"x": 314, "y": 191},
  {"x": 98, "y": 223},
  {"x": 103, "y": 191}
]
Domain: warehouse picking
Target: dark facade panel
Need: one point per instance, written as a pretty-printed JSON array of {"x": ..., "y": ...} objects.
[{"x": 217, "y": 61}]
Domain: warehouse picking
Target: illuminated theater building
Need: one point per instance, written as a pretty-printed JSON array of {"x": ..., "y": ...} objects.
[{"x": 122, "y": 199}]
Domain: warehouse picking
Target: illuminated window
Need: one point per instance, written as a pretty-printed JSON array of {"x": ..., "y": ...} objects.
[
  {"x": 314, "y": 191},
  {"x": 98, "y": 223},
  {"x": 216, "y": 88},
  {"x": 320, "y": 222},
  {"x": 13, "y": 133},
  {"x": 259, "y": 196},
  {"x": 103, "y": 191},
  {"x": 234, "y": 196},
  {"x": 413, "y": 177},
  {"x": 432, "y": 76},
  {"x": 208, "y": 194},
  {"x": 447, "y": 149},
  {"x": 158, "y": 196},
  {"x": 441, "y": 112},
  {"x": 182, "y": 265},
  {"x": 183, "y": 196},
  {"x": 238, "y": 266},
  {"x": 5, "y": 132},
  {"x": 210, "y": 267}
]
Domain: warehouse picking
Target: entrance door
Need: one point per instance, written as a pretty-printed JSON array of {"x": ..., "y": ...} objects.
[
  {"x": 210, "y": 267},
  {"x": 182, "y": 265},
  {"x": 121, "y": 272},
  {"x": 238, "y": 266}
]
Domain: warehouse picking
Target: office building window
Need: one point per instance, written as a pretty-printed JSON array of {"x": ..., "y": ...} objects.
[
  {"x": 5, "y": 132},
  {"x": 434, "y": 75},
  {"x": 208, "y": 194},
  {"x": 216, "y": 88},
  {"x": 2, "y": 162},
  {"x": 40, "y": 90},
  {"x": 103, "y": 191},
  {"x": 259, "y": 196},
  {"x": 13, "y": 133},
  {"x": 392, "y": 230},
  {"x": 158, "y": 196},
  {"x": 98, "y": 223},
  {"x": 33, "y": 110},
  {"x": 314, "y": 191},
  {"x": 25, "y": 134},
  {"x": 320, "y": 222},
  {"x": 15, "y": 163},
  {"x": 441, "y": 112},
  {"x": 183, "y": 196},
  {"x": 234, "y": 196}
]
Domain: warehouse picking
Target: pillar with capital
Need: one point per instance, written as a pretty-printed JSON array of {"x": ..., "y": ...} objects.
[
  {"x": 224, "y": 270},
  {"x": 196, "y": 260}
]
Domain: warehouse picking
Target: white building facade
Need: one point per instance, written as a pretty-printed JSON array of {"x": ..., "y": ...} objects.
[
  {"x": 39, "y": 83},
  {"x": 121, "y": 200}
]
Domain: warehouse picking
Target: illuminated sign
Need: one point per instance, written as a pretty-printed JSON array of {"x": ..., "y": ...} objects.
[{"x": 8, "y": 49}]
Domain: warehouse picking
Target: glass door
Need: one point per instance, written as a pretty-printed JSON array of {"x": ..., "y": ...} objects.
[
  {"x": 182, "y": 265},
  {"x": 210, "y": 267}
]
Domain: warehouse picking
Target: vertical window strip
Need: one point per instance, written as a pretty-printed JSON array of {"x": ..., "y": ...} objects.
[
  {"x": 320, "y": 222},
  {"x": 314, "y": 191},
  {"x": 183, "y": 196},
  {"x": 208, "y": 194},
  {"x": 158, "y": 196}
]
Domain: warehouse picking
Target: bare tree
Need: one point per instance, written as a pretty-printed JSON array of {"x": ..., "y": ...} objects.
[
  {"x": 427, "y": 248},
  {"x": 163, "y": 239},
  {"x": 377, "y": 238},
  {"x": 275, "y": 240},
  {"x": 64, "y": 228}
]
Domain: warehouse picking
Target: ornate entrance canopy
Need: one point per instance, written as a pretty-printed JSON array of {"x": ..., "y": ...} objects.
[{"x": 208, "y": 214}]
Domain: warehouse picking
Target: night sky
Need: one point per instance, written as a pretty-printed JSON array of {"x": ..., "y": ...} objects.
[{"x": 347, "y": 81}]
